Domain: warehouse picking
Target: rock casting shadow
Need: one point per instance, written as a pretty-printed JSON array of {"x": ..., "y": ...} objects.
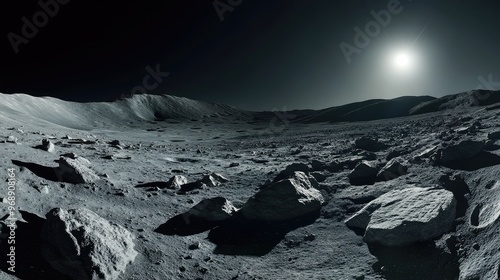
[
  {"x": 29, "y": 262},
  {"x": 48, "y": 173},
  {"x": 239, "y": 236},
  {"x": 418, "y": 262},
  {"x": 184, "y": 225},
  {"x": 482, "y": 160},
  {"x": 160, "y": 185}
]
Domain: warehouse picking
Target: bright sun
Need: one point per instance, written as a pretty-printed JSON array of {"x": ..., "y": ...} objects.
[{"x": 403, "y": 60}]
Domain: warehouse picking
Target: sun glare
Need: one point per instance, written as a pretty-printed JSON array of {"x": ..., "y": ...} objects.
[{"x": 403, "y": 60}]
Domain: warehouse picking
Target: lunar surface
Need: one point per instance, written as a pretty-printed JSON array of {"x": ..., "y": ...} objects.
[{"x": 163, "y": 187}]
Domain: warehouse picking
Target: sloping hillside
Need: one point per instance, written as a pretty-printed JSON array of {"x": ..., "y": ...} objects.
[
  {"x": 460, "y": 100},
  {"x": 118, "y": 113}
]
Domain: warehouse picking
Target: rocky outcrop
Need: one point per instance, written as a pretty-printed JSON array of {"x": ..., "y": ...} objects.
[
  {"x": 215, "y": 209},
  {"x": 81, "y": 244},
  {"x": 76, "y": 171},
  {"x": 284, "y": 200},
  {"x": 404, "y": 217}
]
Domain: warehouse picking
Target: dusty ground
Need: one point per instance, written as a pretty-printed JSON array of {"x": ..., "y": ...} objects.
[{"x": 194, "y": 148}]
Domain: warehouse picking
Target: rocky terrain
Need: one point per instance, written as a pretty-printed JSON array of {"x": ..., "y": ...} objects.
[{"x": 161, "y": 187}]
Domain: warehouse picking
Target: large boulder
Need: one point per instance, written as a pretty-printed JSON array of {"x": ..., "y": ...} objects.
[
  {"x": 286, "y": 199},
  {"x": 215, "y": 209},
  {"x": 85, "y": 246},
  {"x": 404, "y": 217},
  {"x": 369, "y": 144},
  {"x": 462, "y": 150},
  {"x": 75, "y": 171}
]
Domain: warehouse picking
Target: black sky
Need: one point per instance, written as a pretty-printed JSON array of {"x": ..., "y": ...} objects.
[{"x": 263, "y": 55}]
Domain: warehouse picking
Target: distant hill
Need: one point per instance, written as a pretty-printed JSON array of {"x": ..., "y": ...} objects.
[
  {"x": 146, "y": 107},
  {"x": 137, "y": 108},
  {"x": 461, "y": 100},
  {"x": 372, "y": 109}
]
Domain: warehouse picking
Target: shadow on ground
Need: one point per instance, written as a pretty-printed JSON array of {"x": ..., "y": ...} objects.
[
  {"x": 48, "y": 173},
  {"x": 419, "y": 262},
  {"x": 158, "y": 184},
  {"x": 184, "y": 225},
  {"x": 29, "y": 264},
  {"x": 237, "y": 236}
]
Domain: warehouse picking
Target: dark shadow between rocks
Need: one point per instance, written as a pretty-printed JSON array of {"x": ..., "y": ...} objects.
[
  {"x": 422, "y": 261},
  {"x": 482, "y": 160},
  {"x": 460, "y": 189},
  {"x": 492, "y": 148},
  {"x": 184, "y": 225},
  {"x": 362, "y": 181},
  {"x": 48, "y": 173},
  {"x": 160, "y": 185},
  {"x": 29, "y": 264},
  {"x": 239, "y": 236}
]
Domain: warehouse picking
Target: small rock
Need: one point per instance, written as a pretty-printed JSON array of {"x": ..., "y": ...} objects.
[
  {"x": 194, "y": 246},
  {"x": 219, "y": 177},
  {"x": 394, "y": 168},
  {"x": 176, "y": 182},
  {"x": 12, "y": 139},
  {"x": 47, "y": 145},
  {"x": 310, "y": 237},
  {"x": 115, "y": 143}
]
